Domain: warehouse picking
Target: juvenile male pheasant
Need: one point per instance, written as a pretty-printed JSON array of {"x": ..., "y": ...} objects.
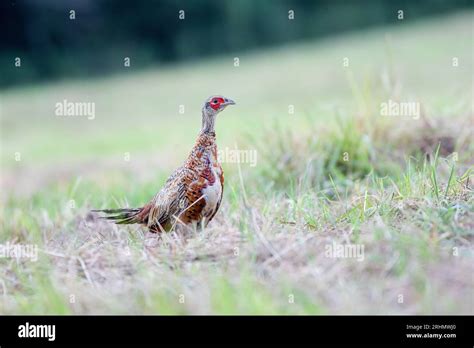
[{"x": 192, "y": 194}]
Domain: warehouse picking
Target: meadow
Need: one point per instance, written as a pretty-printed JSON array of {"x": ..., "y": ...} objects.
[{"x": 331, "y": 171}]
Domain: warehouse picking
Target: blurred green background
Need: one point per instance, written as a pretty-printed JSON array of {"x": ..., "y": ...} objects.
[{"x": 52, "y": 45}]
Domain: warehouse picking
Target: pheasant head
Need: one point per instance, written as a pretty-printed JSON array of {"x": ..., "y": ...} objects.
[{"x": 212, "y": 106}]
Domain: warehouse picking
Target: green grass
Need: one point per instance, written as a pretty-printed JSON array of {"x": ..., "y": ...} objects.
[{"x": 335, "y": 171}]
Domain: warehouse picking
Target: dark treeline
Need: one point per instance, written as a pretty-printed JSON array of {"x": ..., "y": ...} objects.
[{"x": 52, "y": 45}]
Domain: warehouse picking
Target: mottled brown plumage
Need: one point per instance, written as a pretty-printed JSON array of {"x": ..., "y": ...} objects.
[{"x": 193, "y": 193}]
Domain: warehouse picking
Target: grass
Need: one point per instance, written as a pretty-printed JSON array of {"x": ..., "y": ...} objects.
[{"x": 335, "y": 171}]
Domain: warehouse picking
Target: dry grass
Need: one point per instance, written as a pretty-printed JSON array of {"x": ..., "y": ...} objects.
[{"x": 266, "y": 252}]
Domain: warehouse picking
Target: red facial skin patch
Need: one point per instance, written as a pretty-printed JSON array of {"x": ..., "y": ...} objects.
[{"x": 215, "y": 105}]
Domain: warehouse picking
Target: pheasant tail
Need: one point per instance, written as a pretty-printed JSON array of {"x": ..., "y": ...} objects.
[{"x": 125, "y": 215}]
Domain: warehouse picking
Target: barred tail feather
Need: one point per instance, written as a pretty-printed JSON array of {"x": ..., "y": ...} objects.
[{"x": 122, "y": 216}]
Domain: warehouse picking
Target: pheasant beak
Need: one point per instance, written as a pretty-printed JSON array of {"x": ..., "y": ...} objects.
[{"x": 228, "y": 101}]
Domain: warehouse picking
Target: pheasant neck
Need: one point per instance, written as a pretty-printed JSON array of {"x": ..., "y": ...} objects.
[{"x": 208, "y": 123}]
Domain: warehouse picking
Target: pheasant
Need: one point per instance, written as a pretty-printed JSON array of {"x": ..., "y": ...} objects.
[{"x": 193, "y": 193}]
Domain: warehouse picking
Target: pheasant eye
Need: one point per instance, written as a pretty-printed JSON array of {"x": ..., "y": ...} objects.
[{"x": 215, "y": 101}]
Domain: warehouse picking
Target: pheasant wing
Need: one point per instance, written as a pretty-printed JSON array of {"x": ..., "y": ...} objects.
[{"x": 167, "y": 205}]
